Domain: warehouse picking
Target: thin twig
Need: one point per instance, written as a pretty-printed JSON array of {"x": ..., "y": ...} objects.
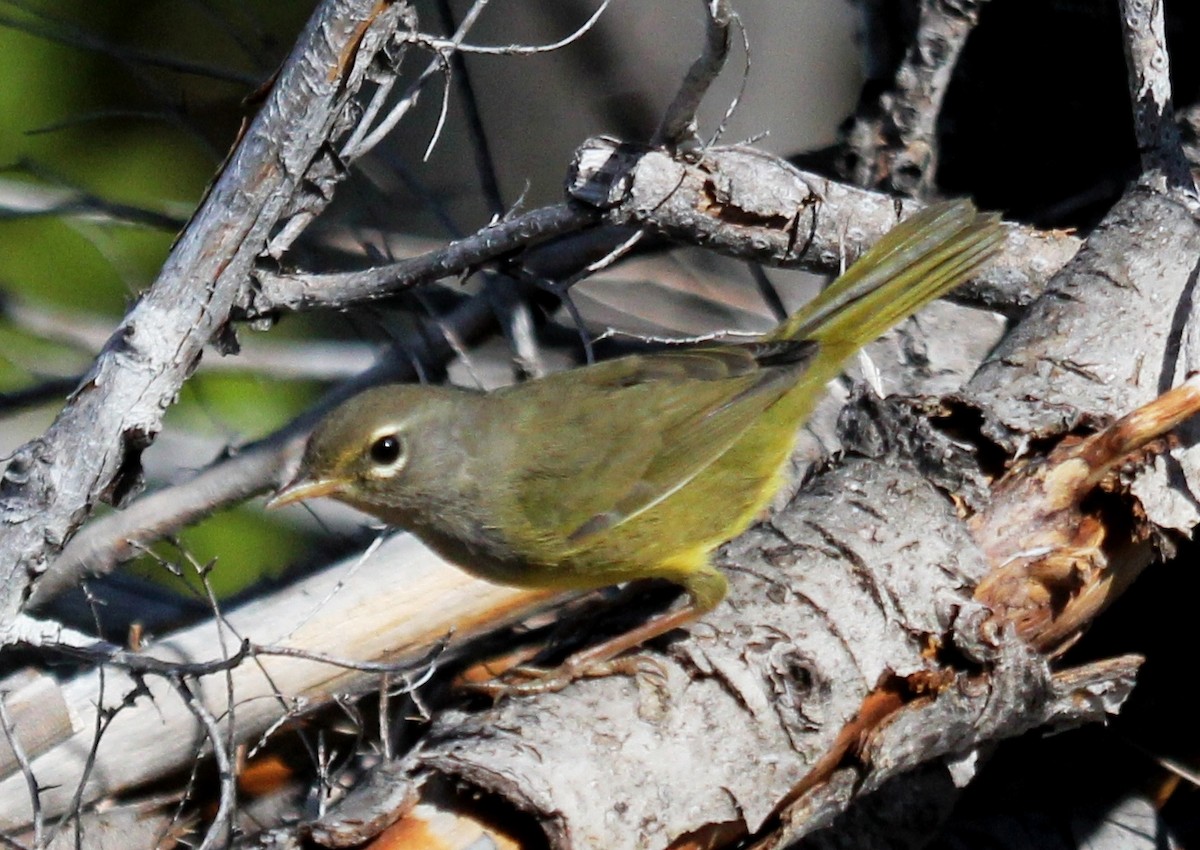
[
  {"x": 770, "y": 295},
  {"x": 142, "y": 664},
  {"x": 513, "y": 313},
  {"x": 22, "y": 758},
  {"x": 427, "y": 664},
  {"x": 681, "y": 210},
  {"x": 362, "y": 141},
  {"x": 225, "y": 770},
  {"x": 485, "y": 163},
  {"x": 678, "y": 125},
  {"x": 563, "y": 288},
  {"x": 367, "y": 135},
  {"x": 443, "y": 112},
  {"x": 103, "y": 718},
  {"x": 221, "y": 827},
  {"x": 441, "y": 44},
  {"x": 280, "y": 292},
  {"x": 743, "y": 82}
]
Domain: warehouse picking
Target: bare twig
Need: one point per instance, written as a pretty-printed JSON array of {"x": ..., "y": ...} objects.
[
  {"x": 31, "y": 783},
  {"x": 563, "y": 289},
  {"x": 221, "y": 828},
  {"x": 678, "y": 127},
  {"x": 366, "y": 136},
  {"x": 298, "y": 291},
  {"x": 513, "y": 312},
  {"x": 101, "y": 721},
  {"x": 732, "y": 105},
  {"x": 765, "y": 210},
  {"x": 441, "y": 44},
  {"x": 358, "y": 624},
  {"x": 142, "y": 664},
  {"x": 770, "y": 295},
  {"x": 485, "y": 164}
]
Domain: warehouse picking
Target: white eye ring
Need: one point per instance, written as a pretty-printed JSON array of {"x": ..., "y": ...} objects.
[{"x": 387, "y": 452}]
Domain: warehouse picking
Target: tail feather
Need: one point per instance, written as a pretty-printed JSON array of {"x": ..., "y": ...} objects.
[{"x": 922, "y": 258}]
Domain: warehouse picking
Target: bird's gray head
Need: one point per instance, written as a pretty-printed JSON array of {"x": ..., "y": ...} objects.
[{"x": 382, "y": 450}]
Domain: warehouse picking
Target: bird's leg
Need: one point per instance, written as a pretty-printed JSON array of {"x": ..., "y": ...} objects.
[
  {"x": 599, "y": 660},
  {"x": 705, "y": 587}
]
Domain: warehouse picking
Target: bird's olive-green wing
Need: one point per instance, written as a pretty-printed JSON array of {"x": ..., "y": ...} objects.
[
  {"x": 620, "y": 437},
  {"x": 615, "y": 439}
]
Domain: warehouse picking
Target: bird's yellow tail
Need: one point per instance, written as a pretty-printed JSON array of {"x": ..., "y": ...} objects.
[{"x": 920, "y": 259}]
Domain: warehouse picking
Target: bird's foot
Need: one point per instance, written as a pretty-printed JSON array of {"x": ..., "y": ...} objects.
[{"x": 525, "y": 680}]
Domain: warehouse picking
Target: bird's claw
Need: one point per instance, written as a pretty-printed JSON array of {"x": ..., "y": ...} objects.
[{"x": 526, "y": 680}]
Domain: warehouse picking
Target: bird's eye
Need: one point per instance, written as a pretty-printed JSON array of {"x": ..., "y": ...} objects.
[{"x": 386, "y": 450}]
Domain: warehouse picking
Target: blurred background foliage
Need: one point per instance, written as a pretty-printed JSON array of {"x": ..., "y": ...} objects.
[
  {"x": 90, "y": 103},
  {"x": 126, "y": 109}
]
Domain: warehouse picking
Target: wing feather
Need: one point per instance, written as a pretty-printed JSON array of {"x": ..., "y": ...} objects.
[{"x": 700, "y": 401}]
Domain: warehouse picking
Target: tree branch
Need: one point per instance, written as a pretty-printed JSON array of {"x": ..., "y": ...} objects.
[
  {"x": 892, "y": 144},
  {"x": 278, "y": 292},
  {"x": 678, "y": 126},
  {"x": 744, "y": 203},
  {"x": 1158, "y": 136}
]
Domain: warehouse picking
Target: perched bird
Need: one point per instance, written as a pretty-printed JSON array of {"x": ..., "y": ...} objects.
[{"x": 633, "y": 468}]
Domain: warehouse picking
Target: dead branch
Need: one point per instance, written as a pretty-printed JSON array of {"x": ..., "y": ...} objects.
[
  {"x": 892, "y": 144},
  {"x": 1158, "y": 135},
  {"x": 748, "y": 204}
]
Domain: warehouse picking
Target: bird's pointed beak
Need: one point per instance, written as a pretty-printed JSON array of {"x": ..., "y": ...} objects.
[{"x": 302, "y": 488}]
